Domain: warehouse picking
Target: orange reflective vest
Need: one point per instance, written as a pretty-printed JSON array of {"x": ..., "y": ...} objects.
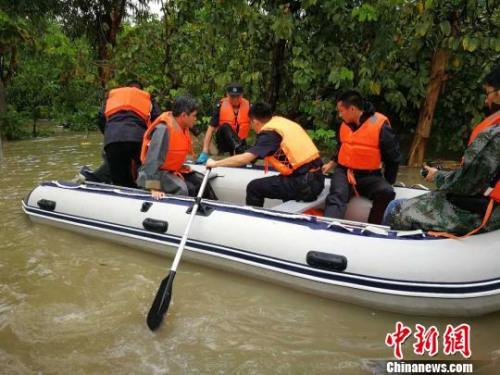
[
  {"x": 179, "y": 143},
  {"x": 360, "y": 148},
  {"x": 128, "y": 99},
  {"x": 492, "y": 120},
  {"x": 296, "y": 148},
  {"x": 240, "y": 122}
]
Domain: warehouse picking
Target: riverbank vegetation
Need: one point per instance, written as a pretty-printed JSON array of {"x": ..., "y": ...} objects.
[{"x": 420, "y": 62}]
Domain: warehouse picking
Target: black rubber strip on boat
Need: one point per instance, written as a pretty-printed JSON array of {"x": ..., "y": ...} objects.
[
  {"x": 46, "y": 204},
  {"x": 154, "y": 225},
  {"x": 326, "y": 261}
]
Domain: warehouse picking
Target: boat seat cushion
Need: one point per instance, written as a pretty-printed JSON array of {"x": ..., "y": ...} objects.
[{"x": 297, "y": 207}]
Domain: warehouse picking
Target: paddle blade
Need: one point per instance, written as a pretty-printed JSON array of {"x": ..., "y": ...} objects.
[{"x": 161, "y": 302}]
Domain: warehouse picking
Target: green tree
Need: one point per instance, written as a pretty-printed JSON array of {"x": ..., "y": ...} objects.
[
  {"x": 101, "y": 22},
  {"x": 19, "y": 20},
  {"x": 56, "y": 79},
  {"x": 444, "y": 32}
]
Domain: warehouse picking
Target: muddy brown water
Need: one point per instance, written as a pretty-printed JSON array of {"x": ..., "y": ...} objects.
[{"x": 71, "y": 304}]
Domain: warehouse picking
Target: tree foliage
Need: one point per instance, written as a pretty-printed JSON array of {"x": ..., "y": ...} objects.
[
  {"x": 100, "y": 21},
  {"x": 295, "y": 54}
]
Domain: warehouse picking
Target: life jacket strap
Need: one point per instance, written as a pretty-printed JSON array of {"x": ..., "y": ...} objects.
[{"x": 352, "y": 181}]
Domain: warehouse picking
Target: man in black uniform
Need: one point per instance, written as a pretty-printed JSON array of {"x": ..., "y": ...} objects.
[
  {"x": 366, "y": 143},
  {"x": 278, "y": 141},
  {"x": 230, "y": 123},
  {"x": 123, "y": 118}
]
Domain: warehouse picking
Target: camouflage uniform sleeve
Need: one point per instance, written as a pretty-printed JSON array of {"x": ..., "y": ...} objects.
[{"x": 480, "y": 166}]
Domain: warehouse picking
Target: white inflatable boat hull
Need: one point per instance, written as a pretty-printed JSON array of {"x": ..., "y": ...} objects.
[{"x": 373, "y": 266}]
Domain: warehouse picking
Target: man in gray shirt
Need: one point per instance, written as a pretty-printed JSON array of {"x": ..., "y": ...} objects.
[{"x": 165, "y": 147}]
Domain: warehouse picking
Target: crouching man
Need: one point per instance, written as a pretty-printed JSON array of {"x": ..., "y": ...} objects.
[{"x": 165, "y": 147}]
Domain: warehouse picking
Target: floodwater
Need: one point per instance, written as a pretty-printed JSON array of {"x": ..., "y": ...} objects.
[{"x": 70, "y": 304}]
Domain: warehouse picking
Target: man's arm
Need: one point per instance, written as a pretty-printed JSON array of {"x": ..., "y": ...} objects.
[
  {"x": 155, "y": 110},
  {"x": 391, "y": 155},
  {"x": 208, "y": 138},
  {"x": 214, "y": 121},
  {"x": 232, "y": 161},
  {"x": 480, "y": 166},
  {"x": 212, "y": 126},
  {"x": 149, "y": 172},
  {"x": 267, "y": 143}
]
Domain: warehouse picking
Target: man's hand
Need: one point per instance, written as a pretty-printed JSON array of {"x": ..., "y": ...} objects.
[
  {"x": 328, "y": 166},
  {"x": 211, "y": 163},
  {"x": 431, "y": 173},
  {"x": 158, "y": 194},
  {"x": 202, "y": 158}
]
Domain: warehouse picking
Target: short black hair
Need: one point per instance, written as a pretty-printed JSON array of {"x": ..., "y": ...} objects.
[
  {"x": 261, "y": 111},
  {"x": 351, "y": 97},
  {"x": 135, "y": 83},
  {"x": 493, "y": 78},
  {"x": 184, "y": 104}
]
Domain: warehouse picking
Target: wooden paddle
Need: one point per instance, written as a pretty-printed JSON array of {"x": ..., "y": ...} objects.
[{"x": 164, "y": 294}]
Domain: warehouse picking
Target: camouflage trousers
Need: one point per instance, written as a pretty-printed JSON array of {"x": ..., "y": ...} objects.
[{"x": 434, "y": 212}]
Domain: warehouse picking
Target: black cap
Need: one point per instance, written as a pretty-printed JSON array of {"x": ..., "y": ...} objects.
[{"x": 234, "y": 89}]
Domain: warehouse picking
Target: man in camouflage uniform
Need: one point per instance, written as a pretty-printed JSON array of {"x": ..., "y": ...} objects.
[{"x": 458, "y": 205}]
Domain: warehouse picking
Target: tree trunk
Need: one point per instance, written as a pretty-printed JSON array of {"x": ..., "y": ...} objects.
[
  {"x": 437, "y": 78},
  {"x": 107, "y": 41},
  {"x": 104, "y": 68},
  {"x": 292, "y": 8},
  {"x": 276, "y": 66},
  {"x": 169, "y": 29}
]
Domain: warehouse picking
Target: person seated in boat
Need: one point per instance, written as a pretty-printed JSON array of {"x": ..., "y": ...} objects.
[
  {"x": 288, "y": 148},
  {"x": 165, "y": 146},
  {"x": 229, "y": 122},
  {"x": 123, "y": 119},
  {"x": 367, "y": 143},
  {"x": 466, "y": 199}
]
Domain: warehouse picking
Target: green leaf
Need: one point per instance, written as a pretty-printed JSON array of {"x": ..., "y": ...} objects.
[
  {"x": 346, "y": 74},
  {"x": 375, "y": 87},
  {"x": 364, "y": 13},
  {"x": 445, "y": 27},
  {"x": 422, "y": 28},
  {"x": 470, "y": 44}
]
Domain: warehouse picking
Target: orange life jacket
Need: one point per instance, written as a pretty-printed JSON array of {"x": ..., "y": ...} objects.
[
  {"x": 128, "y": 99},
  {"x": 179, "y": 143},
  {"x": 296, "y": 148},
  {"x": 492, "y": 120},
  {"x": 360, "y": 148},
  {"x": 240, "y": 122}
]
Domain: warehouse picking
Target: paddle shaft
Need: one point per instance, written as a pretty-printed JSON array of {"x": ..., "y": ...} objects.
[
  {"x": 197, "y": 201},
  {"x": 164, "y": 293}
]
